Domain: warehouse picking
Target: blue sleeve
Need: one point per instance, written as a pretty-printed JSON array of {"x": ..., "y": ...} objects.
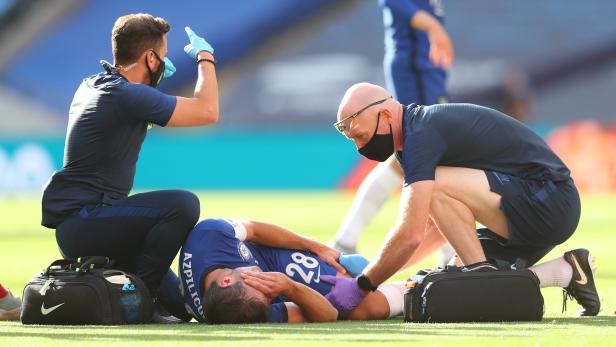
[
  {"x": 278, "y": 313},
  {"x": 404, "y": 8},
  {"x": 220, "y": 226},
  {"x": 422, "y": 152},
  {"x": 144, "y": 103}
]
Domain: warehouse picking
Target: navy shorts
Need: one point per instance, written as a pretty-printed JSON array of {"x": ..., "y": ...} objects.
[
  {"x": 425, "y": 86},
  {"x": 540, "y": 215}
]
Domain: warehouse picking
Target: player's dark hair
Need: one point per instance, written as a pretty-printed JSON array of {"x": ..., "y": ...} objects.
[
  {"x": 231, "y": 305},
  {"x": 133, "y": 34}
]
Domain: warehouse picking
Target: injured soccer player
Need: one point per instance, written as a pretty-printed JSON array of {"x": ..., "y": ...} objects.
[{"x": 251, "y": 272}]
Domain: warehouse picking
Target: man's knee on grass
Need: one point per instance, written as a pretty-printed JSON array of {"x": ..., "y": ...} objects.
[{"x": 231, "y": 305}]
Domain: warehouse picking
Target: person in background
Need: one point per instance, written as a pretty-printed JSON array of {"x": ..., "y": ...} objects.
[
  {"x": 10, "y": 306},
  {"x": 417, "y": 52}
]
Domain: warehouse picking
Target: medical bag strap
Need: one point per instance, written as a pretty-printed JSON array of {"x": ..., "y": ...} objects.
[
  {"x": 64, "y": 264},
  {"x": 505, "y": 265},
  {"x": 93, "y": 262}
]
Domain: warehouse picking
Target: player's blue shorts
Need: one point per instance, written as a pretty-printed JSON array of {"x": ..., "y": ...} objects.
[
  {"x": 412, "y": 83},
  {"x": 540, "y": 215}
]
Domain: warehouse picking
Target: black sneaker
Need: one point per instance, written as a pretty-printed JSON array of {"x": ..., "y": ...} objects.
[
  {"x": 162, "y": 316},
  {"x": 582, "y": 287}
]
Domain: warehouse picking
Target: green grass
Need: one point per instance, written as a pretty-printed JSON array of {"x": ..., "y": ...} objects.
[{"x": 26, "y": 247}]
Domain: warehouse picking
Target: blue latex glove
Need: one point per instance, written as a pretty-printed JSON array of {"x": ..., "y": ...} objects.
[
  {"x": 353, "y": 263},
  {"x": 345, "y": 295},
  {"x": 169, "y": 68},
  {"x": 196, "y": 45}
]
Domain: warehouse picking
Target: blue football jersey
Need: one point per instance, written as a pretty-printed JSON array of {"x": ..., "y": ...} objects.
[
  {"x": 400, "y": 38},
  {"x": 219, "y": 243}
]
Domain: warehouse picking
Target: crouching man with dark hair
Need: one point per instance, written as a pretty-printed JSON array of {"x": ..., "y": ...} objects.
[
  {"x": 253, "y": 272},
  {"x": 88, "y": 201}
]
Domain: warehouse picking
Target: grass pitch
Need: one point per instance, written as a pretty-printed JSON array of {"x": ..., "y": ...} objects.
[{"x": 26, "y": 247}]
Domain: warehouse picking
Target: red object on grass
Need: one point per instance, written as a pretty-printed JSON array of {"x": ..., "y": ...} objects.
[{"x": 3, "y": 291}]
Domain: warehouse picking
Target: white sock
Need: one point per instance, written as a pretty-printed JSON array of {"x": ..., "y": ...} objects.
[
  {"x": 394, "y": 293},
  {"x": 447, "y": 252},
  {"x": 371, "y": 195},
  {"x": 554, "y": 273}
]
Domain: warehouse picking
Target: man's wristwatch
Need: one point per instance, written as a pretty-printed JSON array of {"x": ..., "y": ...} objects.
[{"x": 363, "y": 282}]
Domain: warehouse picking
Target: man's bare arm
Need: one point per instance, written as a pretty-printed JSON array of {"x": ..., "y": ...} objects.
[
  {"x": 309, "y": 306},
  {"x": 441, "y": 48},
  {"x": 306, "y": 305},
  {"x": 406, "y": 235},
  {"x": 202, "y": 108}
]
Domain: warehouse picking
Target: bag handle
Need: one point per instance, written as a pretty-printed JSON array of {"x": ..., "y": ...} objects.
[
  {"x": 82, "y": 264},
  {"x": 64, "y": 264},
  {"x": 93, "y": 262},
  {"x": 113, "y": 272}
]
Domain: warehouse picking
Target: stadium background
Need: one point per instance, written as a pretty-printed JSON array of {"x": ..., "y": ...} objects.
[
  {"x": 284, "y": 64},
  {"x": 283, "y": 67}
]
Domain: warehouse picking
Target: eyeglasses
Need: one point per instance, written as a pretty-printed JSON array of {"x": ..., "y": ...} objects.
[{"x": 340, "y": 124}]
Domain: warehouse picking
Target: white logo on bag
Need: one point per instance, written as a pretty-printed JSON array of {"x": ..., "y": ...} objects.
[{"x": 46, "y": 311}]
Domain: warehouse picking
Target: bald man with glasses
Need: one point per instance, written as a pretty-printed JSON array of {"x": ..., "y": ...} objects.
[{"x": 463, "y": 164}]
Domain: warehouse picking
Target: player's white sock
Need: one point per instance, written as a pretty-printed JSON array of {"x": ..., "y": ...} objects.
[
  {"x": 447, "y": 253},
  {"x": 371, "y": 195},
  {"x": 554, "y": 273},
  {"x": 394, "y": 293}
]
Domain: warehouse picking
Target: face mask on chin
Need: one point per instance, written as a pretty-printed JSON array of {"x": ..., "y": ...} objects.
[{"x": 380, "y": 147}]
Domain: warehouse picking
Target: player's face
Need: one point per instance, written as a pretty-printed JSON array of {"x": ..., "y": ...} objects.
[{"x": 250, "y": 291}]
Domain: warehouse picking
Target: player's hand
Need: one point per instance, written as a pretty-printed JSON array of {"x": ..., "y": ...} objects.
[
  {"x": 329, "y": 256},
  {"x": 271, "y": 284},
  {"x": 197, "y": 44},
  {"x": 441, "y": 48},
  {"x": 345, "y": 295}
]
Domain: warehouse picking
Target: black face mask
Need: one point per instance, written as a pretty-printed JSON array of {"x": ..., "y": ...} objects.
[
  {"x": 380, "y": 147},
  {"x": 156, "y": 76}
]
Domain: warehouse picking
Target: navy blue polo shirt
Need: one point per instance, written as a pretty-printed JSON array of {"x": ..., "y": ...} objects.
[
  {"x": 108, "y": 121},
  {"x": 472, "y": 136}
]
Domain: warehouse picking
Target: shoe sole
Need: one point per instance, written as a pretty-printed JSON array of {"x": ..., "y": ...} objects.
[{"x": 10, "y": 315}]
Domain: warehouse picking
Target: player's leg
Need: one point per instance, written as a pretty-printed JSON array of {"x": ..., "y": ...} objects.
[
  {"x": 171, "y": 298},
  {"x": 574, "y": 272},
  {"x": 373, "y": 192},
  {"x": 10, "y": 305},
  {"x": 461, "y": 197},
  {"x": 386, "y": 302},
  {"x": 143, "y": 232}
]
